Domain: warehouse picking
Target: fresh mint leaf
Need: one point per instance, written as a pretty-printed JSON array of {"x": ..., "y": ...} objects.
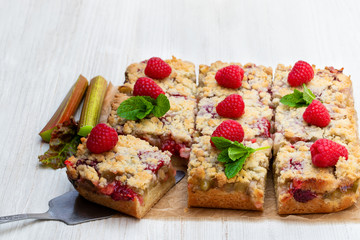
[
  {"x": 221, "y": 143},
  {"x": 149, "y": 99},
  {"x": 233, "y": 154},
  {"x": 231, "y": 169},
  {"x": 294, "y": 99},
  {"x": 308, "y": 95},
  {"x": 135, "y": 108},
  {"x": 224, "y": 156},
  {"x": 298, "y": 99},
  {"x": 162, "y": 106},
  {"x": 139, "y": 107},
  {"x": 237, "y": 152}
]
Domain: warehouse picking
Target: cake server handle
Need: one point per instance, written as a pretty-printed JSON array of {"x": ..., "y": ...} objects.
[{"x": 18, "y": 217}]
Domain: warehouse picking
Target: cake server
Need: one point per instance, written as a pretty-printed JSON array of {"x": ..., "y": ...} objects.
[{"x": 72, "y": 209}]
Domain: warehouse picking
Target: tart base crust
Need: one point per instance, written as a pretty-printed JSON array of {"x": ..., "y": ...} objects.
[
  {"x": 215, "y": 198},
  {"x": 317, "y": 205},
  {"x": 132, "y": 208}
]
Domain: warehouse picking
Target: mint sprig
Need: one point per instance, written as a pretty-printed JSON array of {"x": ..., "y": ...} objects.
[
  {"x": 233, "y": 154},
  {"x": 139, "y": 107},
  {"x": 298, "y": 99}
]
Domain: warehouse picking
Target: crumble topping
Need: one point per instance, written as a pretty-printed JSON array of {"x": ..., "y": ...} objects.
[
  {"x": 204, "y": 166},
  {"x": 254, "y": 121},
  {"x": 177, "y": 123},
  {"x": 257, "y": 78},
  {"x": 181, "y": 82},
  {"x": 329, "y": 86},
  {"x": 128, "y": 162}
]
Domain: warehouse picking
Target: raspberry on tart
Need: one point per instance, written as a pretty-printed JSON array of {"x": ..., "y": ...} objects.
[
  {"x": 229, "y": 129},
  {"x": 231, "y": 107},
  {"x": 102, "y": 138},
  {"x": 301, "y": 73},
  {"x": 326, "y": 153},
  {"x": 317, "y": 114},
  {"x": 230, "y": 76},
  {"x": 130, "y": 178},
  {"x": 157, "y": 68},
  {"x": 147, "y": 87}
]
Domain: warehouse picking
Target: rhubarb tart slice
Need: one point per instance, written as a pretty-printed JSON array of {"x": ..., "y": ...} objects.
[{"x": 129, "y": 178}]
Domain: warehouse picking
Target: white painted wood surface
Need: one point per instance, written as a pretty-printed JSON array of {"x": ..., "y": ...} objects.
[{"x": 45, "y": 45}]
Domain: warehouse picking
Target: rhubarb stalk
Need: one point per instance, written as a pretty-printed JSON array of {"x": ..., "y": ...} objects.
[
  {"x": 67, "y": 108},
  {"x": 90, "y": 113}
]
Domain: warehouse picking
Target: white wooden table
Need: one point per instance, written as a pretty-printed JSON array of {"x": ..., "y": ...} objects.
[{"x": 45, "y": 45}]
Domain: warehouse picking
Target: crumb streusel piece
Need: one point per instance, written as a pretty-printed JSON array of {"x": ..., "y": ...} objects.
[{"x": 130, "y": 178}]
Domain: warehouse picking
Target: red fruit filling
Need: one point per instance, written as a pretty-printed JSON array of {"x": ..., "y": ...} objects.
[
  {"x": 171, "y": 146},
  {"x": 303, "y": 196},
  {"x": 122, "y": 193},
  {"x": 264, "y": 126},
  {"x": 155, "y": 168},
  {"x": 295, "y": 165}
]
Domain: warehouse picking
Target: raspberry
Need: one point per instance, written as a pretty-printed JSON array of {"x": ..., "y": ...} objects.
[
  {"x": 317, "y": 114},
  {"x": 155, "y": 168},
  {"x": 171, "y": 146},
  {"x": 301, "y": 73},
  {"x": 147, "y": 87},
  {"x": 156, "y": 68},
  {"x": 326, "y": 153},
  {"x": 230, "y": 76},
  {"x": 303, "y": 196},
  {"x": 102, "y": 138},
  {"x": 122, "y": 192},
  {"x": 229, "y": 129},
  {"x": 231, "y": 107}
]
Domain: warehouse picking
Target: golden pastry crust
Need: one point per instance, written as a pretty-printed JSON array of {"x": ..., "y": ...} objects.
[{"x": 133, "y": 208}]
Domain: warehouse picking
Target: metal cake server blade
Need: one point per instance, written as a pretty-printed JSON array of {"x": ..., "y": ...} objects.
[{"x": 72, "y": 209}]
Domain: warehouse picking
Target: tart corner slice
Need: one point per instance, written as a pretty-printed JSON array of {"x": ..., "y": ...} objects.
[{"x": 130, "y": 178}]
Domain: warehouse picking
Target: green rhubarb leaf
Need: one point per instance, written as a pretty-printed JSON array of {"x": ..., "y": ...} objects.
[{"x": 63, "y": 144}]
